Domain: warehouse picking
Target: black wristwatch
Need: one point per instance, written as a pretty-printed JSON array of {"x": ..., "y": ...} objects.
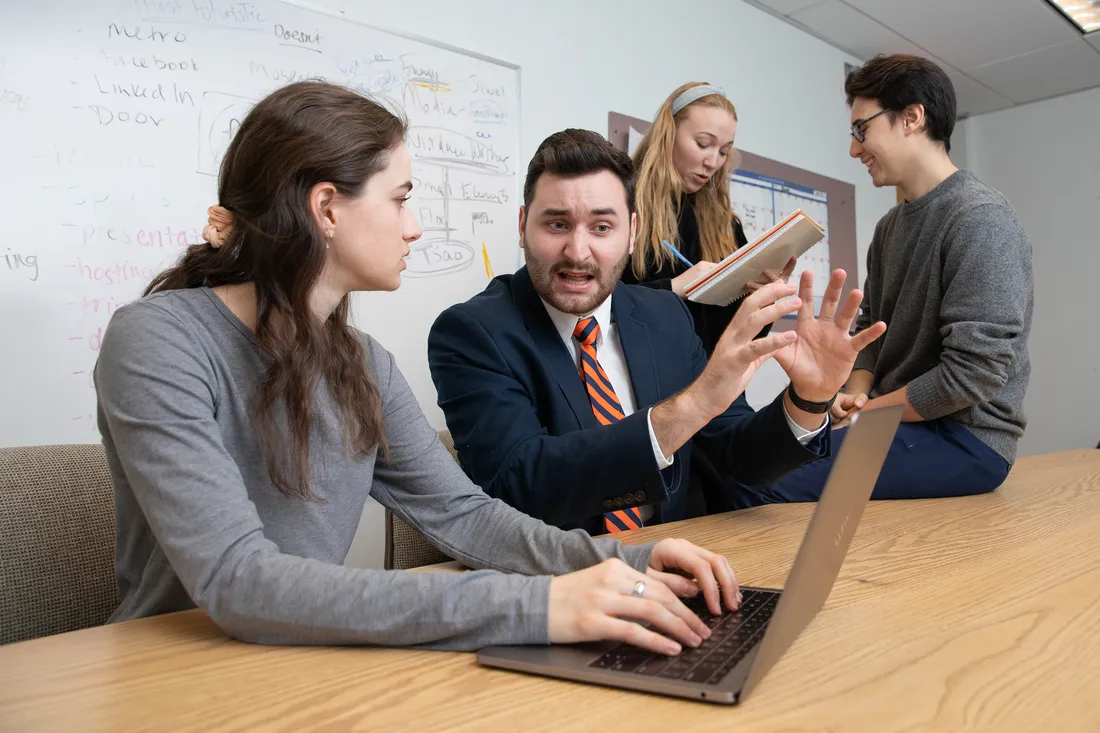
[{"x": 814, "y": 408}]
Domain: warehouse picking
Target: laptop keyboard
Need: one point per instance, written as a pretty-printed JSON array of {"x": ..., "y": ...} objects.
[{"x": 733, "y": 635}]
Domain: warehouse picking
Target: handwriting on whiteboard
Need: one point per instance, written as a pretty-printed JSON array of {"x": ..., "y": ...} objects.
[{"x": 117, "y": 115}]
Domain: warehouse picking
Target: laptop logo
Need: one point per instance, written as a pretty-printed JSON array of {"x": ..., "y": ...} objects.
[{"x": 840, "y": 534}]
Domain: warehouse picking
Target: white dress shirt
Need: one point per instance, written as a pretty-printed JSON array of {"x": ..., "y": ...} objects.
[{"x": 609, "y": 352}]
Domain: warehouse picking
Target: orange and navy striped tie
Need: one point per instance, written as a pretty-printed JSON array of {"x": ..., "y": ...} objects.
[{"x": 605, "y": 406}]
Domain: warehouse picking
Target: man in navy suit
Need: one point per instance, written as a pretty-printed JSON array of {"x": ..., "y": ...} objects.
[{"x": 577, "y": 399}]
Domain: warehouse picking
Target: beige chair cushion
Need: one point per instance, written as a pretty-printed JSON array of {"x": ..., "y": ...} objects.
[
  {"x": 405, "y": 547},
  {"x": 57, "y": 535}
]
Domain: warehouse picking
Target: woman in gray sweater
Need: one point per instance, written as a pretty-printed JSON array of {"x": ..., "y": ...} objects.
[{"x": 246, "y": 422}]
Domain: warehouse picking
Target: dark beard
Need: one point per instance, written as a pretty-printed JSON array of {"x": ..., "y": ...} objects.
[{"x": 543, "y": 278}]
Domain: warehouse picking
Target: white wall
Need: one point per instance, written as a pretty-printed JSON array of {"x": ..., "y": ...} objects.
[
  {"x": 960, "y": 145},
  {"x": 1045, "y": 157},
  {"x": 581, "y": 60}
]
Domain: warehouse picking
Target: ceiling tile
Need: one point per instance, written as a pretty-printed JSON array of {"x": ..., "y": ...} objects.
[
  {"x": 973, "y": 98},
  {"x": 786, "y": 7},
  {"x": 970, "y": 33},
  {"x": 1048, "y": 72},
  {"x": 849, "y": 29}
]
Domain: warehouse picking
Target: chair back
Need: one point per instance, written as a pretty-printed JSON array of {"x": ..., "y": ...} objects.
[
  {"x": 405, "y": 547},
  {"x": 57, "y": 540}
]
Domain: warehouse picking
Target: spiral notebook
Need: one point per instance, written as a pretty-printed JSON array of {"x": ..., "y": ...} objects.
[{"x": 726, "y": 283}]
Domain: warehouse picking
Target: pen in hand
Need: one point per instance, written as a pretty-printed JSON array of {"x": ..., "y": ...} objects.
[{"x": 668, "y": 245}]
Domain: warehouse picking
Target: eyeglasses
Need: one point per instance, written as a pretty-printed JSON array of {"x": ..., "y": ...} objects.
[{"x": 860, "y": 126}]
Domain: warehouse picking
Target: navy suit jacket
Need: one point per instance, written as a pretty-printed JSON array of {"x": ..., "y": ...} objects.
[{"x": 524, "y": 430}]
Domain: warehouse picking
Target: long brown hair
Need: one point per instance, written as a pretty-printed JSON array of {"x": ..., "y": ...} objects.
[
  {"x": 660, "y": 189},
  {"x": 298, "y": 136}
]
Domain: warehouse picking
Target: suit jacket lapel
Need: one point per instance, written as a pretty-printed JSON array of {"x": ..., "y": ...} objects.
[
  {"x": 638, "y": 349},
  {"x": 551, "y": 348},
  {"x": 641, "y": 362}
]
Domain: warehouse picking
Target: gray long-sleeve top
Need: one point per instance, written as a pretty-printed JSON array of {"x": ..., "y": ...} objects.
[{"x": 200, "y": 523}]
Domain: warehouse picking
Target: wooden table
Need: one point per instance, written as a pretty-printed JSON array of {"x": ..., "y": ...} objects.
[{"x": 976, "y": 613}]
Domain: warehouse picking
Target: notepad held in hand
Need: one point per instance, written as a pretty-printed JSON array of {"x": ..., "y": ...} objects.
[{"x": 726, "y": 283}]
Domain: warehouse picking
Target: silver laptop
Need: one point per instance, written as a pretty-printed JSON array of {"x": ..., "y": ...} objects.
[{"x": 745, "y": 644}]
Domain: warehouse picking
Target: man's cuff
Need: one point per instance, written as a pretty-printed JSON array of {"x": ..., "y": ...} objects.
[
  {"x": 663, "y": 461},
  {"x": 801, "y": 434}
]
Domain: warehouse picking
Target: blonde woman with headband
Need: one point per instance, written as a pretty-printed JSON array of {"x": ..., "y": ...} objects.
[{"x": 683, "y": 165}]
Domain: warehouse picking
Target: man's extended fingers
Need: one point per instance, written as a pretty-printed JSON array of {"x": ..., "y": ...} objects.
[
  {"x": 831, "y": 298},
  {"x": 768, "y": 295},
  {"x": 868, "y": 335},
  {"x": 806, "y": 295},
  {"x": 850, "y": 310},
  {"x": 771, "y": 314},
  {"x": 767, "y": 346}
]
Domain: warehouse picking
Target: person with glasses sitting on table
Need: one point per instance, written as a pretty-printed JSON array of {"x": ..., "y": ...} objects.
[{"x": 949, "y": 271}]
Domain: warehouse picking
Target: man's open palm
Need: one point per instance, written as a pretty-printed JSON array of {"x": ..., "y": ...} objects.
[{"x": 820, "y": 360}]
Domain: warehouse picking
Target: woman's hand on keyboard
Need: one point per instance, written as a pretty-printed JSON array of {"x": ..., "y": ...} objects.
[
  {"x": 711, "y": 571},
  {"x": 595, "y": 604}
]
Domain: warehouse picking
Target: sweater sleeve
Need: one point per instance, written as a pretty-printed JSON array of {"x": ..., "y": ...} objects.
[
  {"x": 157, "y": 394},
  {"x": 986, "y": 260}
]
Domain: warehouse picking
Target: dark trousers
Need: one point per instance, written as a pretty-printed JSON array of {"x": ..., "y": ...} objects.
[{"x": 927, "y": 460}]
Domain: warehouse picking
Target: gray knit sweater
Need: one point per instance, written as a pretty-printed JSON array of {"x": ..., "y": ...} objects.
[
  {"x": 950, "y": 274},
  {"x": 199, "y": 522}
]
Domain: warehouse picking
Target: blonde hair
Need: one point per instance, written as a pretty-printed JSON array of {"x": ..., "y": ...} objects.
[{"x": 659, "y": 191}]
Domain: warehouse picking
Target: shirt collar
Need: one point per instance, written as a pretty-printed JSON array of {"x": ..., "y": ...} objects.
[{"x": 564, "y": 323}]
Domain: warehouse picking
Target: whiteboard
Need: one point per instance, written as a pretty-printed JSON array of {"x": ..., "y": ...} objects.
[{"x": 114, "y": 115}]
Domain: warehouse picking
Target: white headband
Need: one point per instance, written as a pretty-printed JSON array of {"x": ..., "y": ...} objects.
[{"x": 690, "y": 95}]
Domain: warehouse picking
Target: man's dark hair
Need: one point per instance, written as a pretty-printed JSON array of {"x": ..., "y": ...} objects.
[
  {"x": 897, "y": 81},
  {"x": 573, "y": 153}
]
